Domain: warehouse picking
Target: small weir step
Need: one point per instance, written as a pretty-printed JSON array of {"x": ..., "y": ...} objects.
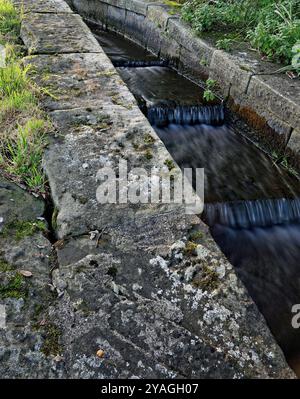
[
  {"x": 186, "y": 115},
  {"x": 139, "y": 64},
  {"x": 248, "y": 214}
]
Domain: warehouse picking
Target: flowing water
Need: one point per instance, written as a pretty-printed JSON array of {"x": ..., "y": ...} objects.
[{"x": 252, "y": 205}]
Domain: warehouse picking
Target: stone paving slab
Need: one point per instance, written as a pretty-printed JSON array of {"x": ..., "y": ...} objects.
[
  {"x": 16, "y": 203},
  {"x": 25, "y": 299},
  {"x": 233, "y": 72},
  {"x": 57, "y": 33},
  {"x": 143, "y": 291},
  {"x": 117, "y": 134}
]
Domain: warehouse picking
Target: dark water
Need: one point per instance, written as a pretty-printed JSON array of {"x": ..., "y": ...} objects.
[
  {"x": 252, "y": 205},
  {"x": 120, "y": 50},
  {"x": 235, "y": 170},
  {"x": 267, "y": 261},
  {"x": 161, "y": 85}
]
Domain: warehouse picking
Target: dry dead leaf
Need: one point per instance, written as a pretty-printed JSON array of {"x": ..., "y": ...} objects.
[
  {"x": 25, "y": 273},
  {"x": 59, "y": 244},
  {"x": 100, "y": 353},
  {"x": 58, "y": 358}
]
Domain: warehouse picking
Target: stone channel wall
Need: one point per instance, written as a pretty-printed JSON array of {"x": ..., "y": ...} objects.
[
  {"x": 145, "y": 285},
  {"x": 268, "y": 102}
]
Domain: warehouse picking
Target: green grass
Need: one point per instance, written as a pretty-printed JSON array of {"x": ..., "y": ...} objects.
[
  {"x": 23, "y": 125},
  {"x": 270, "y": 26},
  {"x": 13, "y": 79},
  {"x": 9, "y": 22},
  {"x": 24, "y": 153}
]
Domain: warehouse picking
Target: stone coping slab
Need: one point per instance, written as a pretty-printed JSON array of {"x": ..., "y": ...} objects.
[
  {"x": 45, "y": 33},
  {"x": 42, "y": 6},
  {"x": 134, "y": 288}
]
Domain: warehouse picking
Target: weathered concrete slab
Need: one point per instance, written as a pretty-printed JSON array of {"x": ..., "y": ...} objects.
[
  {"x": 24, "y": 343},
  {"x": 195, "y": 54},
  {"x": 116, "y": 18},
  {"x": 91, "y": 10},
  {"x": 159, "y": 15},
  {"x": 17, "y": 204},
  {"x": 234, "y": 71},
  {"x": 57, "y": 33},
  {"x": 170, "y": 50},
  {"x": 117, "y": 134},
  {"x": 134, "y": 27},
  {"x": 43, "y": 6},
  {"x": 25, "y": 299},
  {"x": 278, "y": 94},
  {"x": 126, "y": 306}
]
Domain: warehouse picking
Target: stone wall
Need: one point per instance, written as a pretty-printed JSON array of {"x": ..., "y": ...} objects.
[
  {"x": 268, "y": 102},
  {"x": 143, "y": 284}
]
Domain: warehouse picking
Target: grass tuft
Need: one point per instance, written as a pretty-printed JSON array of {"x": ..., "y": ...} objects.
[
  {"x": 10, "y": 22},
  {"x": 23, "y": 125}
]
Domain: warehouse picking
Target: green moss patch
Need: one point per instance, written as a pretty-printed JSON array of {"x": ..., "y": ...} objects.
[
  {"x": 190, "y": 248},
  {"x": 14, "y": 287},
  {"x": 51, "y": 345},
  {"x": 5, "y": 267},
  {"x": 21, "y": 229},
  {"x": 207, "y": 280}
]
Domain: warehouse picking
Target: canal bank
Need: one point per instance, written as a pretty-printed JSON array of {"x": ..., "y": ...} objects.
[{"x": 130, "y": 292}]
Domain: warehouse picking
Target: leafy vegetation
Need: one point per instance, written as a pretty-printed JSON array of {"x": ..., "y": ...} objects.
[
  {"x": 208, "y": 94},
  {"x": 271, "y": 26},
  {"x": 23, "y": 125}
]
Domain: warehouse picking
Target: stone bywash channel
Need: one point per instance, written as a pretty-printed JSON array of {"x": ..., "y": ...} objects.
[
  {"x": 146, "y": 285},
  {"x": 252, "y": 206}
]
